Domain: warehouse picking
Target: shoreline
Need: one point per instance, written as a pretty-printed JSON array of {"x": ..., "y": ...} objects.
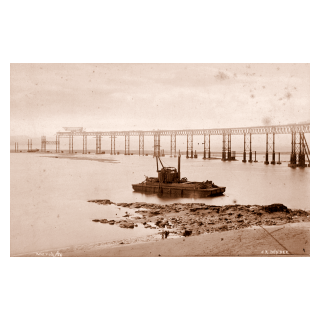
[
  {"x": 288, "y": 240},
  {"x": 192, "y": 228}
]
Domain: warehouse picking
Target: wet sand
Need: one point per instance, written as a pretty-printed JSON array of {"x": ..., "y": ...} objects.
[
  {"x": 197, "y": 229},
  {"x": 292, "y": 239}
]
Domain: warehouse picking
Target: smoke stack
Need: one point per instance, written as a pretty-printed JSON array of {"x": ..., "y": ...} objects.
[{"x": 179, "y": 167}]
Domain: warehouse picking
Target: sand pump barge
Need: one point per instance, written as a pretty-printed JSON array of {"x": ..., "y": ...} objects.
[{"x": 169, "y": 182}]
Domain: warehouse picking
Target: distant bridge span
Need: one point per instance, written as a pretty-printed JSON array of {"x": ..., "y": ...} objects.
[
  {"x": 277, "y": 129},
  {"x": 299, "y": 147}
]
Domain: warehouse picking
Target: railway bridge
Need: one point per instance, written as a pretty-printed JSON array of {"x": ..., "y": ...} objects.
[{"x": 300, "y": 153}]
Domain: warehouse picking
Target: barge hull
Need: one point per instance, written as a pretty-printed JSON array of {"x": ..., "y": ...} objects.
[{"x": 179, "y": 191}]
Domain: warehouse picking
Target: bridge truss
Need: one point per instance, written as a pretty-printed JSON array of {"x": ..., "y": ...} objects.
[{"x": 300, "y": 149}]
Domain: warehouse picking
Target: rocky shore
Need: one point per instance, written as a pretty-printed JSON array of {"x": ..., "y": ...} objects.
[{"x": 189, "y": 219}]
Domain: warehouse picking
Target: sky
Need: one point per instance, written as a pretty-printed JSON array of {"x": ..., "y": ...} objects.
[{"x": 102, "y": 97}]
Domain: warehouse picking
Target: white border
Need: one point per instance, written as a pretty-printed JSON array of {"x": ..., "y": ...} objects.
[{"x": 166, "y": 31}]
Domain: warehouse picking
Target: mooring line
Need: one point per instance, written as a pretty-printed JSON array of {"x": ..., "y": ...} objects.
[
  {"x": 275, "y": 239},
  {"x": 276, "y": 230}
]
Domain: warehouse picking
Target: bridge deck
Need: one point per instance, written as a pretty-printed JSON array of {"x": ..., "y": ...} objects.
[{"x": 279, "y": 129}]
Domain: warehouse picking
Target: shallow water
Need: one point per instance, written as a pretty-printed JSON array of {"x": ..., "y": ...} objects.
[{"x": 49, "y": 208}]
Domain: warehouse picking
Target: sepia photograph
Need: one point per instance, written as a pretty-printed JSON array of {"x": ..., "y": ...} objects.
[
  {"x": 157, "y": 157},
  {"x": 160, "y": 160}
]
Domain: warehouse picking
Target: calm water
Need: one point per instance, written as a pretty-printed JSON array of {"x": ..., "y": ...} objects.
[{"x": 49, "y": 208}]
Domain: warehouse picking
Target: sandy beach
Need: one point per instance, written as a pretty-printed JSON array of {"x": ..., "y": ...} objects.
[
  {"x": 287, "y": 240},
  {"x": 197, "y": 229}
]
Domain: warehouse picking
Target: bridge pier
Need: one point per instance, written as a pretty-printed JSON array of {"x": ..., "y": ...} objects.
[
  {"x": 279, "y": 162},
  {"x": 189, "y": 145},
  {"x": 266, "y": 159},
  {"x": 227, "y": 154},
  {"x": 293, "y": 157},
  {"x": 229, "y": 147},
  {"x": 30, "y": 145},
  {"x": 273, "y": 149},
  {"x": 43, "y": 144},
  {"x": 250, "y": 152},
  {"x": 206, "y": 146},
  {"x": 57, "y": 144},
  {"x": 299, "y": 150},
  {"x": 141, "y": 145},
  {"x": 301, "y": 157},
  {"x": 156, "y": 145},
  {"x": 246, "y": 146},
  {"x": 71, "y": 144},
  {"x": 113, "y": 144},
  {"x": 127, "y": 145},
  {"x": 84, "y": 144},
  {"x": 98, "y": 144},
  {"x": 267, "y": 150},
  {"x": 173, "y": 145},
  {"x": 224, "y": 147}
]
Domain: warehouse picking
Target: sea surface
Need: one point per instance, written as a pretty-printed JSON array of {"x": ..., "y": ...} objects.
[{"x": 48, "y": 195}]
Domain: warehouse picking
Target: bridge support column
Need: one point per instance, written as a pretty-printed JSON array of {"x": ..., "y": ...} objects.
[
  {"x": 279, "y": 159},
  {"x": 113, "y": 144},
  {"x": 305, "y": 149},
  {"x": 98, "y": 144},
  {"x": 299, "y": 150},
  {"x": 29, "y": 144},
  {"x": 267, "y": 150},
  {"x": 250, "y": 152},
  {"x": 156, "y": 152},
  {"x": 189, "y": 145},
  {"x": 302, "y": 157},
  {"x": 43, "y": 144},
  {"x": 127, "y": 145},
  {"x": 246, "y": 146},
  {"x": 57, "y": 144},
  {"x": 229, "y": 147},
  {"x": 224, "y": 147},
  {"x": 206, "y": 146},
  {"x": 293, "y": 156},
  {"x": 141, "y": 145},
  {"x": 273, "y": 149},
  {"x": 71, "y": 144},
  {"x": 173, "y": 145},
  {"x": 84, "y": 144}
]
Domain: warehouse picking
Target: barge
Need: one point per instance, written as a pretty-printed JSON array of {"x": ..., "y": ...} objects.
[{"x": 169, "y": 182}]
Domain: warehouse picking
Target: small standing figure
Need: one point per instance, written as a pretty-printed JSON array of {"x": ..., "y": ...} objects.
[{"x": 166, "y": 234}]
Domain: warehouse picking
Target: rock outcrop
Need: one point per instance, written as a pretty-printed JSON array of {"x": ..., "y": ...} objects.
[{"x": 196, "y": 218}]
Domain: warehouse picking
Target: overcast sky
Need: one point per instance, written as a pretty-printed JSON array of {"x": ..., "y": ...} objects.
[{"x": 47, "y": 97}]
